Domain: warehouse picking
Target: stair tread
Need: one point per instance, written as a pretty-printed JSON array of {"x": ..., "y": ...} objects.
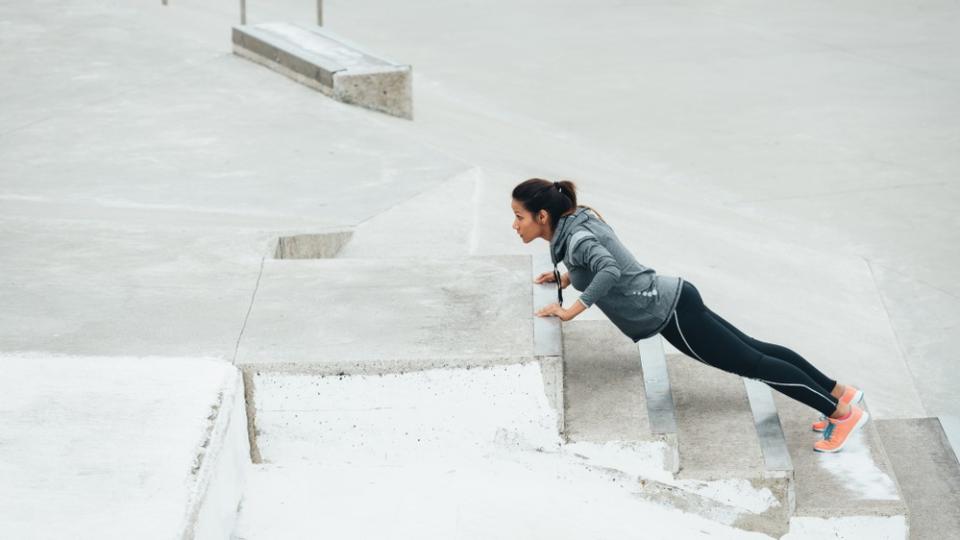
[
  {"x": 858, "y": 480},
  {"x": 715, "y": 426},
  {"x": 603, "y": 383}
]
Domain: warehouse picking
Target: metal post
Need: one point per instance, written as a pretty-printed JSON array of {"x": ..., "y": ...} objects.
[
  {"x": 243, "y": 11},
  {"x": 319, "y": 12},
  {"x": 164, "y": 2}
]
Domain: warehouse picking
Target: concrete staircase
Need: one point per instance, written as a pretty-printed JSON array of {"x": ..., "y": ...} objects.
[
  {"x": 669, "y": 429},
  {"x": 738, "y": 466}
]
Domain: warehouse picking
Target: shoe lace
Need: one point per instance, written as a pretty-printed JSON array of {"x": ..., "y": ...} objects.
[{"x": 829, "y": 431}]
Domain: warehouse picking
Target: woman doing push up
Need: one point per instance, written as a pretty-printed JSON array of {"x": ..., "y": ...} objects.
[{"x": 642, "y": 303}]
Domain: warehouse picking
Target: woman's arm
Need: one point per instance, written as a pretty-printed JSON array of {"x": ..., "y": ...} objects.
[{"x": 590, "y": 252}]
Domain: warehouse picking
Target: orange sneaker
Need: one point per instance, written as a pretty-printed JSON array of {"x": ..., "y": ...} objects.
[
  {"x": 850, "y": 395},
  {"x": 838, "y": 431}
]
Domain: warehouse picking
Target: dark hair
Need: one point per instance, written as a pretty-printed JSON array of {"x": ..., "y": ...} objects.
[{"x": 537, "y": 194}]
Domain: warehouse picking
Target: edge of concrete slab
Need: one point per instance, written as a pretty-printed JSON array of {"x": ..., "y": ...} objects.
[
  {"x": 548, "y": 343},
  {"x": 221, "y": 470},
  {"x": 659, "y": 397}
]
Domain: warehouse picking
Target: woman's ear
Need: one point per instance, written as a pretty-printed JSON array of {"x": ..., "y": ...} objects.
[{"x": 542, "y": 216}]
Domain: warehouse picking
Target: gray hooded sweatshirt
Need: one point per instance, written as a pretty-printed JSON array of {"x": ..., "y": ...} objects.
[{"x": 637, "y": 300}]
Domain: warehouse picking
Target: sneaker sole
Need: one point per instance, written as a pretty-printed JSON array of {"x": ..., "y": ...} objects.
[
  {"x": 863, "y": 420},
  {"x": 857, "y": 398}
]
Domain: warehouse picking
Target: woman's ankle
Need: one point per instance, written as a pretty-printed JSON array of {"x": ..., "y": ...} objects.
[
  {"x": 842, "y": 412},
  {"x": 838, "y": 390}
]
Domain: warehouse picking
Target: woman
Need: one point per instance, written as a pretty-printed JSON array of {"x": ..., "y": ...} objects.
[{"x": 641, "y": 304}]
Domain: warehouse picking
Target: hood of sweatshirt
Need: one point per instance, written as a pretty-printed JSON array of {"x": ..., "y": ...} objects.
[{"x": 565, "y": 227}]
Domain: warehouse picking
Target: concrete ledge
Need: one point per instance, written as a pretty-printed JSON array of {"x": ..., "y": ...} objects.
[
  {"x": 321, "y": 60},
  {"x": 324, "y": 317},
  {"x": 548, "y": 342},
  {"x": 120, "y": 447},
  {"x": 222, "y": 472},
  {"x": 311, "y": 246}
]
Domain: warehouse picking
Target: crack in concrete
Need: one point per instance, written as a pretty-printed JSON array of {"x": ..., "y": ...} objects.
[{"x": 246, "y": 317}]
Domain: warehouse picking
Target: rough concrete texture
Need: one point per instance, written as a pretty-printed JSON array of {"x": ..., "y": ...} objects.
[
  {"x": 603, "y": 383},
  {"x": 857, "y": 481},
  {"x": 717, "y": 439},
  {"x": 327, "y": 62},
  {"x": 713, "y": 416},
  {"x": 391, "y": 314},
  {"x": 928, "y": 475},
  {"x": 119, "y": 447},
  {"x": 452, "y": 453}
]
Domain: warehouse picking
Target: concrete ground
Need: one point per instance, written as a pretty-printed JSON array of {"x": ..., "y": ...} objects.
[{"x": 798, "y": 163}]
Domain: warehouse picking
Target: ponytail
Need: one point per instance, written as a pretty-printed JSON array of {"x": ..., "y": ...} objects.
[{"x": 556, "y": 198}]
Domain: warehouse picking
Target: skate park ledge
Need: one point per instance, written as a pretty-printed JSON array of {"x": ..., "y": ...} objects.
[{"x": 317, "y": 58}]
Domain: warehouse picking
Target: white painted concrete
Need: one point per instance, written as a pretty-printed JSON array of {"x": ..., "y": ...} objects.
[
  {"x": 117, "y": 447},
  {"x": 848, "y": 528},
  {"x": 452, "y": 454}
]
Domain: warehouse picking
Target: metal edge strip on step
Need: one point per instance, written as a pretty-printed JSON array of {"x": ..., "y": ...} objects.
[
  {"x": 656, "y": 382},
  {"x": 773, "y": 443}
]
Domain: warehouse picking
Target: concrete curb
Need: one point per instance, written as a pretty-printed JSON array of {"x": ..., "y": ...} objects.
[{"x": 221, "y": 472}]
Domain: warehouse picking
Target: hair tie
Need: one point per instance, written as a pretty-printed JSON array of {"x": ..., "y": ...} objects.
[{"x": 557, "y": 185}]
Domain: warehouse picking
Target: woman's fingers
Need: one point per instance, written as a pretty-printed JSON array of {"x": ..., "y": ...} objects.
[
  {"x": 546, "y": 276},
  {"x": 548, "y": 310}
]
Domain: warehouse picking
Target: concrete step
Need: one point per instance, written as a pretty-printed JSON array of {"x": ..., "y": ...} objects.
[
  {"x": 927, "y": 472},
  {"x": 316, "y": 57},
  {"x": 120, "y": 447},
  {"x": 857, "y": 485},
  {"x": 604, "y": 395},
  {"x": 316, "y": 318},
  {"x": 607, "y": 380},
  {"x": 603, "y": 384},
  {"x": 718, "y": 441}
]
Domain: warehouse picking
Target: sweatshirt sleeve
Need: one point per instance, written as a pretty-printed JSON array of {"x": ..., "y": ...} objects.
[{"x": 590, "y": 253}]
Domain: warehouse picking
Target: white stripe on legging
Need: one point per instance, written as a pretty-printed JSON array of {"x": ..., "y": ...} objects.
[{"x": 676, "y": 319}]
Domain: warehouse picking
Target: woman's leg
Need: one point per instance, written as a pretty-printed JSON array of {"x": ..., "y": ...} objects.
[
  {"x": 781, "y": 352},
  {"x": 695, "y": 332}
]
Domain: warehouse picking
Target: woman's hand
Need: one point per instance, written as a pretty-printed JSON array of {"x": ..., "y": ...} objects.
[
  {"x": 555, "y": 310},
  {"x": 548, "y": 277}
]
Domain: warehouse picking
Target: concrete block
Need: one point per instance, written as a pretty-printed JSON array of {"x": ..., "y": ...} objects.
[
  {"x": 120, "y": 447},
  {"x": 326, "y": 62},
  {"x": 382, "y": 316}
]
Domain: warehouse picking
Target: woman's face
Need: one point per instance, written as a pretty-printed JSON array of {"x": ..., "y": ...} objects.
[{"x": 527, "y": 225}]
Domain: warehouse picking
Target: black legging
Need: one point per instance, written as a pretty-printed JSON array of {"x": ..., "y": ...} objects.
[{"x": 703, "y": 335}]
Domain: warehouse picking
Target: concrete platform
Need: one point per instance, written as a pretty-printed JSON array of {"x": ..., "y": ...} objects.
[
  {"x": 324, "y": 61},
  {"x": 120, "y": 447},
  {"x": 314, "y": 318},
  {"x": 387, "y": 315}
]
